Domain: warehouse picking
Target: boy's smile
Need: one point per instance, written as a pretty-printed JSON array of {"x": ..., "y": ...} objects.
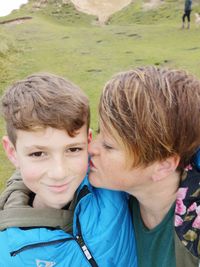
[{"x": 52, "y": 163}]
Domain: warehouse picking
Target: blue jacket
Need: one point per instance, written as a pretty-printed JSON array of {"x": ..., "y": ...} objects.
[
  {"x": 188, "y": 5},
  {"x": 102, "y": 236}
]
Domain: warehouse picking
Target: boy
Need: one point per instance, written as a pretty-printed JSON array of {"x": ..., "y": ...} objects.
[{"x": 56, "y": 218}]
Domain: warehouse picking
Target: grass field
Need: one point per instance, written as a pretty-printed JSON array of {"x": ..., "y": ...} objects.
[{"x": 65, "y": 42}]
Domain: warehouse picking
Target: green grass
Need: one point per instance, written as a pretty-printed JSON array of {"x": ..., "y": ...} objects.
[{"x": 69, "y": 44}]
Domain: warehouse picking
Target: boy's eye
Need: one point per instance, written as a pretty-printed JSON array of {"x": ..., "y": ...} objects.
[
  {"x": 37, "y": 154},
  {"x": 74, "y": 149}
]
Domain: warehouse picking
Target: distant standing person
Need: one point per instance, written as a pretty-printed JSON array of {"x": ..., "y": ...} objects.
[{"x": 187, "y": 11}]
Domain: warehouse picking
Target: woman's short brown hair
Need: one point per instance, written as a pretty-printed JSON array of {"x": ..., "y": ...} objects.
[
  {"x": 154, "y": 112},
  {"x": 44, "y": 100}
]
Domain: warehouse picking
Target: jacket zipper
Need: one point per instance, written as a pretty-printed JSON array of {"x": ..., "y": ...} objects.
[
  {"x": 79, "y": 239},
  {"x": 82, "y": 245},
  {"x": 43, "y": 244},
  {"x": 86, "y": 251}
]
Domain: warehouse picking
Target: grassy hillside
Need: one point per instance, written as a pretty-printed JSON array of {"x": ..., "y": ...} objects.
[
  {"x": 61, "y": 40},
  {"x": 167, "y": 12}
]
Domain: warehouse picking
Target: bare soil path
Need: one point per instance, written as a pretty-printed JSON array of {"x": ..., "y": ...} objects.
[{"x": 102, "y": 9}]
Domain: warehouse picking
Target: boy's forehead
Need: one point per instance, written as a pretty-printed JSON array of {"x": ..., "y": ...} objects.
[
  {"x": 41, "y": 130},
  {"x": 44, "y": 136}
]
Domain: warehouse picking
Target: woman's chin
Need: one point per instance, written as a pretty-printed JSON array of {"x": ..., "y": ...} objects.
[{"x": 93, "y": 180}]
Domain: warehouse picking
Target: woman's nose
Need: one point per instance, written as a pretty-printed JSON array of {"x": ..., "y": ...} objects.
[{"x": 93, "y": 148}]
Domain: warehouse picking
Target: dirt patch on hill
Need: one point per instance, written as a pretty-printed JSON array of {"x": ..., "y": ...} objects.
[
  {"x": 152, "y": 4},
  {"x": 102, "y": 9}
]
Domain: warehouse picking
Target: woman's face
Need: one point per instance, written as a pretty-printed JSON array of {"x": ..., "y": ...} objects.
[{"x": 109, "y": 165}]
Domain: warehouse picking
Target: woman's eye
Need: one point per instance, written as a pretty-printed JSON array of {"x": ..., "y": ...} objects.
[
  {"x": 106, "y": 146},
  {"x": 37, "y": 154}
]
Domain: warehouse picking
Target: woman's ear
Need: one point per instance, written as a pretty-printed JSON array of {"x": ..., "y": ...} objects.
[
  {"x": 10, "y": 150},
  {"x": 165, "y": 167},
  {"x": 89, "y": 135}
]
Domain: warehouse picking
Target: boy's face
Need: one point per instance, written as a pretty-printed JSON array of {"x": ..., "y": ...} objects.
[{"x": 52, "y": 163}]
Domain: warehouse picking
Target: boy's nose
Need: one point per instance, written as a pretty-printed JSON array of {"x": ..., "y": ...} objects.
[{"x": 58, "y": 170}]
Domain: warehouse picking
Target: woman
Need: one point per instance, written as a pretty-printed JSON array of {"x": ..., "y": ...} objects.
[{"x": 149, "y": 130}]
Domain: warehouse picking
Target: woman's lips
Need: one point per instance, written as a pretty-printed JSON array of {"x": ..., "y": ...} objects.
[{"x": 92, "y": 166}]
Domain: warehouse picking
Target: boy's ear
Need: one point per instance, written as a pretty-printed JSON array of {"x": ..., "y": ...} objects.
[
  {"x": 10, "y": 150},
  {"x": 89, "y": 135},
  {"x": 166, "y": 167}
]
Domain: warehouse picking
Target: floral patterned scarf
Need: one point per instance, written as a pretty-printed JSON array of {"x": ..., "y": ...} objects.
[{"x": 187, "y": 211}]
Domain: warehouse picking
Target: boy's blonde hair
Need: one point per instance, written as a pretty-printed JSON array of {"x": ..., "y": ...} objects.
[
  {"x": 44, "y": 100},
  {"x": 154, "y": 113}
]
